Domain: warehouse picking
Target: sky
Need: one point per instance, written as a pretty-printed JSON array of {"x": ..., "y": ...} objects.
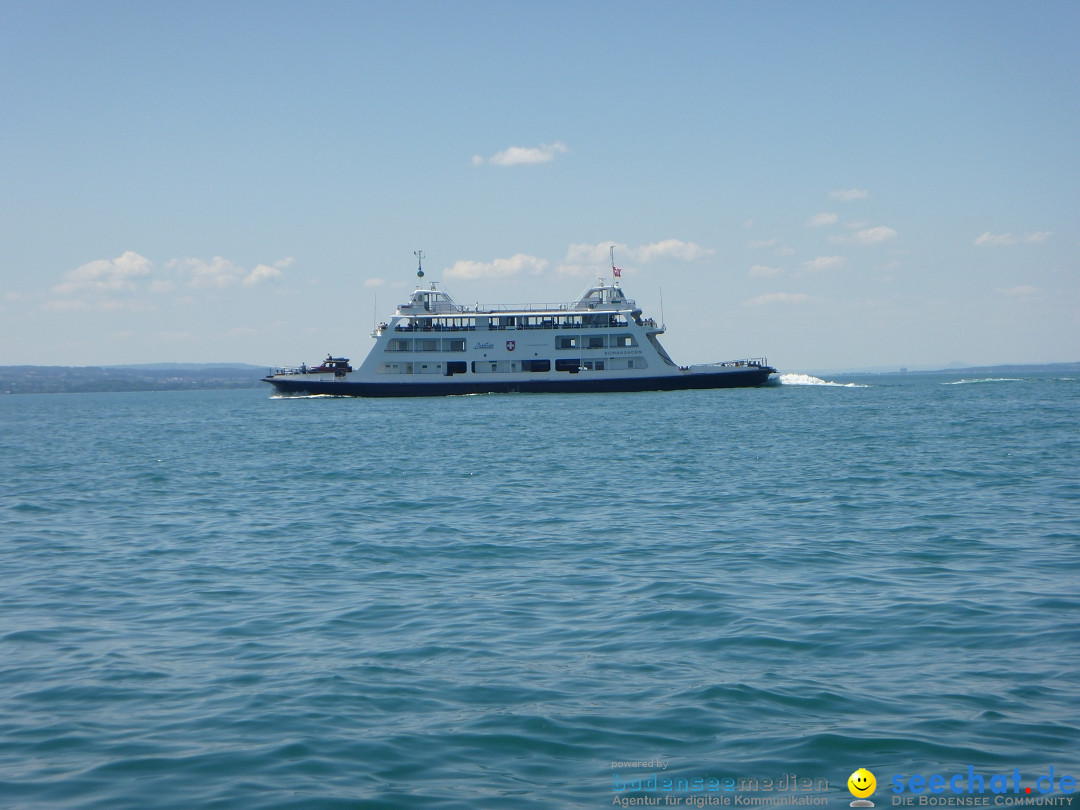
[{"x": 834, "y": 185}]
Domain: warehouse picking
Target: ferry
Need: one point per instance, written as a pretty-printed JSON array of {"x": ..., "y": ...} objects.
[{"x": 433, "y": 346}]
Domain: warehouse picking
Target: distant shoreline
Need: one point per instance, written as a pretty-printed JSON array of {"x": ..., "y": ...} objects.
[
  {"x": 1005, "y": 368},
  {"x": 151, "y": 377},
  {"x": 220, "y": 376}
]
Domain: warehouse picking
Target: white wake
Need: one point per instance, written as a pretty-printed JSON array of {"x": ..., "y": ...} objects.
[{"x": 806, "y": 379}]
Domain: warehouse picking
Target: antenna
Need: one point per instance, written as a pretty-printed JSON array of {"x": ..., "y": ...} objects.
[{"x": 419, "y": 254}]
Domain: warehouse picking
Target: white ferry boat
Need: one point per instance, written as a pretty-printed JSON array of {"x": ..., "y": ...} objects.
[{"x": 433, "y": 346}]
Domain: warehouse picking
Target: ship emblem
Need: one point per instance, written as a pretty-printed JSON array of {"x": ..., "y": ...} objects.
[{"x": 510, "y": 344}]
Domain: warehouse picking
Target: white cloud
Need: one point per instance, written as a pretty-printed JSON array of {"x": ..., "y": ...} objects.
[
  {"x": 120, "y": 283},
  {"x": 375, "y": 282},
  {"x": 217, "y": 272},
  {"x": 667, "y": 249},
  {"x": 849, "y": 194},
  {"x": 824, "y": 218},
  {"x": 777, "y": 298},
  {"x": 824, "y": 263},
  {"x": 261, "y": 273},
  {"x": 106, "y": 275},
  {"x": 517, "y": 155},
  {"x": 220, "y": 273},
  {"x": 671, "y": 249},
  {"x": 762, "y": 271},
  {"x": 1023, "y": 291},
  {"x": 600, "y": 253},
  {"x": 998, "y": 239},
  {"x": 867, "y": 236},
  {"x": 762, "y": 243},
  {"x": 499, "y": 268}
]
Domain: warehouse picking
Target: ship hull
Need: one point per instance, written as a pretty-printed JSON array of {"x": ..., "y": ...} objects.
[{"x": 296, "y": 385}]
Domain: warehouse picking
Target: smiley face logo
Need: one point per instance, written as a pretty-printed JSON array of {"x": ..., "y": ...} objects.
[{"x": 861, "y": 783}]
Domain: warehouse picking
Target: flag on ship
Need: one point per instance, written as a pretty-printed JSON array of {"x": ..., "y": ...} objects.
[{"x": 616, "y": 271}]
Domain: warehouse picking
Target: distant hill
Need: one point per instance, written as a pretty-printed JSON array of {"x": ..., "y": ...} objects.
[
  {"x": 151, "y": 377},
  {"x": 954, "y": 368},
  {"x": 1062, "y": 368}
]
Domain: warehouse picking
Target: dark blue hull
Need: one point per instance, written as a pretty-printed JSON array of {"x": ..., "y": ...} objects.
[{"x": 297, "y": 385}]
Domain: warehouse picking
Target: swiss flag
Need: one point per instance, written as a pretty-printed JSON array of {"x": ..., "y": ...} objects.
[{"x": 616, "y": 271}]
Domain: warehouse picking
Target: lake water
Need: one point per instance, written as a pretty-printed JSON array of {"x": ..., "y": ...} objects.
[{"x": 221, "y": 599}]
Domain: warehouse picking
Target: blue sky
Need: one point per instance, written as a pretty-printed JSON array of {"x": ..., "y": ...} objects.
[{"x": 833, "y": 185}]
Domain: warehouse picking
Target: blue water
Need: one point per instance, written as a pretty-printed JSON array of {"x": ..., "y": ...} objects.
[{"x": 224, "y": 599}]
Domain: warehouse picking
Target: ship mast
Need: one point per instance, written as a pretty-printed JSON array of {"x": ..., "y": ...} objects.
[{"x": 419, "y": 254}]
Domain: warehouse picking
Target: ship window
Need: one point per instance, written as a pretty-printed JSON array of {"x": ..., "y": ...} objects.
[
  {"x": 454, "y": 345},
  {"x": 596, "y": 365},
  {"x": 568, "y": 365},
  {"x": 594, "y": 341},
  {"x": 536, "y": 365},
  {"x": 623, "y": 340},
  {"x": 428, "y": 345},
  {"x": 456, "y": 367},
  {"x": 567, "y": 342},
  {"x": 494, "y": 366},
  {"x": 398, "y": 345}
]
